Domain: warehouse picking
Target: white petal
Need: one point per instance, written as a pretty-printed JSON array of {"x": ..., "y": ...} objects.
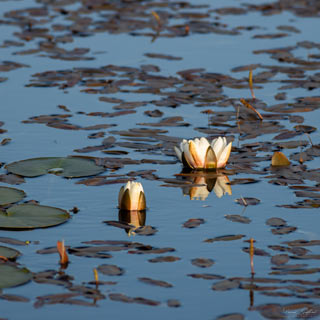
[
  {"x": 224, "y": 156},
  {"x": 188, "y": 155},
  {"x": 178, "y": 153},
  {"x": 218, "y": 147},
  {"x": 203, "y": 147},
  {"x": 134, "y": 193}
]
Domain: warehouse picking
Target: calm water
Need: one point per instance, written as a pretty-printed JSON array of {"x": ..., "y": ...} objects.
[{"x": 168, "y": 207}]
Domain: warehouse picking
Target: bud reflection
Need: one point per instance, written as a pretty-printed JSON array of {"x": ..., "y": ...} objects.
[
  {"x": 134, "y": 219},
  {"x": 204, "y": 184}
]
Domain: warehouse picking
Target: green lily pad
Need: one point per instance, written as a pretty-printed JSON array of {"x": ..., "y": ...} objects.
[
  {"x": 11, "y": 276},
  {"x": 69, "y": 167},
  {"x": 10, "y": 195},
  {"x": 9, "y": 253},
  {"x": 31, "y": 216}
]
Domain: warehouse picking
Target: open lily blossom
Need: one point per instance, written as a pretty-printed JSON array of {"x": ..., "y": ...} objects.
[
  {"x": 131, "y": 197},
  {"x": 200, "y": 154}
]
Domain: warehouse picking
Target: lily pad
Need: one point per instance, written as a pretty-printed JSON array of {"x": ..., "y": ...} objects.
[
  {"x": 69, "y": 167},
  {"x": 30, "y": 216},
  {"x": 11, "y": 276},
  {"x": 10, "y": 195},
  {"x": 9, "y": 253}
]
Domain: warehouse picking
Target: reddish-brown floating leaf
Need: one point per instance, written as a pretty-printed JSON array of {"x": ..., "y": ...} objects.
[
  {"x": 226, "y": 238},
  {"x": 154, "y": 282},
  {"x": 110, "y": 270},
  {"x": 11, "y": 178},
  {"x": 283, "y": 230},
  {"x": 202, "y": 262},
  {"x": 145, "y": 301},
  {"x": 271, "y": 311},
  {"x": 15, "y": 298},
  {"x": 276, "y": 222},
  {"x": 173, "y": 303},
  {"x": 248, "y": 201},
  {"x": 5, "y": 141},
  {"x": 231, "y": 316},
  {"x": 206, "y": 276},
  {"x": 164, "y": 259},
  {"x": 146, "y": 231},
  {"x": 161, "y": 56},
  {"x": 120, "y": 297},
  {"x": 193, "y": 223},
  {"x": 237, "y": 218},
  {"x": 279, "y": 259},
  {"x": 154, "y": 113},
  {"x": 257, "y": 252},
  {"x": 226, "y": 284},
  {"x": 13, "y": 241},
  {"x": 243, "y": 181},
  {"x": 302, "y": 243},
  {"x": 123, "y": 298}
]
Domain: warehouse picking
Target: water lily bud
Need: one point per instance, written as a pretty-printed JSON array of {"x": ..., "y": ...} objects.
[
  {"x": 199, "y": 154},
  {"x": 131, "y": 197}
]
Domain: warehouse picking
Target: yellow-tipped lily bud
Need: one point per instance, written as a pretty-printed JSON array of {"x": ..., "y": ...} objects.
[
  {"x": 131, "y": 197},
  {"x": 199, "y": 154}
]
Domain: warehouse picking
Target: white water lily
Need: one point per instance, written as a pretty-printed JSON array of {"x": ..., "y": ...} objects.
[
  {"x": 131, "y": 197},
  {"x": 200, "y": 154}
]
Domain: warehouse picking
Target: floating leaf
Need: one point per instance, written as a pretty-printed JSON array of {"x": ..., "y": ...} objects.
[
  {"x": 154, "y": 282},
  {"x": 231, "y": 316},
  {"x": 10, "y": 195},
  {"x": 192, "y": 223},
  {"x": 164, "y": 259},
  {"x": 11, "y": 276},
  {"x": 110, "y": 270},
  {"x": 279, "y": 259},
  {"x": 70, "y": 167},
  {"x": 202, "y": 262},
  {"x": 237, "y": 218},
  {"x": 276, "y": 222},
  {"x": 226, "y": 284},
  {"x": 30, "y": 216},
  {"x": 228, "y": 237},
  {"x": 279, "y": 159},
  {"x": 9, "y": 253},
  {"x": 248, "y": 201}
]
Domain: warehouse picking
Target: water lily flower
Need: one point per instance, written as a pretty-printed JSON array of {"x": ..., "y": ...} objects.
[
  {"x": 200, "y": 154},
  {"x": 131, "y": 197}
]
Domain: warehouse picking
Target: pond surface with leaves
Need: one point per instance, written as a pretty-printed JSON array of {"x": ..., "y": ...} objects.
[{"x": 96, "y": 93}]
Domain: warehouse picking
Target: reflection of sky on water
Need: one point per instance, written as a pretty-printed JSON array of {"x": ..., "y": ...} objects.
[{"x": 167, "y": 208}]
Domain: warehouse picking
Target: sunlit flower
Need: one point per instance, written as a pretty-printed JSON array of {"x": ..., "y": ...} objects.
[
  {"x": 220, "y": 186},
  {"x": 131, "y": 197},
  {"x": 200, "y": 154}
]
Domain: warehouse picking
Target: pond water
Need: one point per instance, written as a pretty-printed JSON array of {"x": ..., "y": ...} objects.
[{"x": 145, "y": 73}]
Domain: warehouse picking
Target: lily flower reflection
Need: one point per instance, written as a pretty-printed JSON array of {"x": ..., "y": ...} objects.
[
  {"x": 131, "y": 197},
  {"x": 205, "y": 184},
  {"x": 134, "y": 220},
  {"x": 200, "y": 154}
]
